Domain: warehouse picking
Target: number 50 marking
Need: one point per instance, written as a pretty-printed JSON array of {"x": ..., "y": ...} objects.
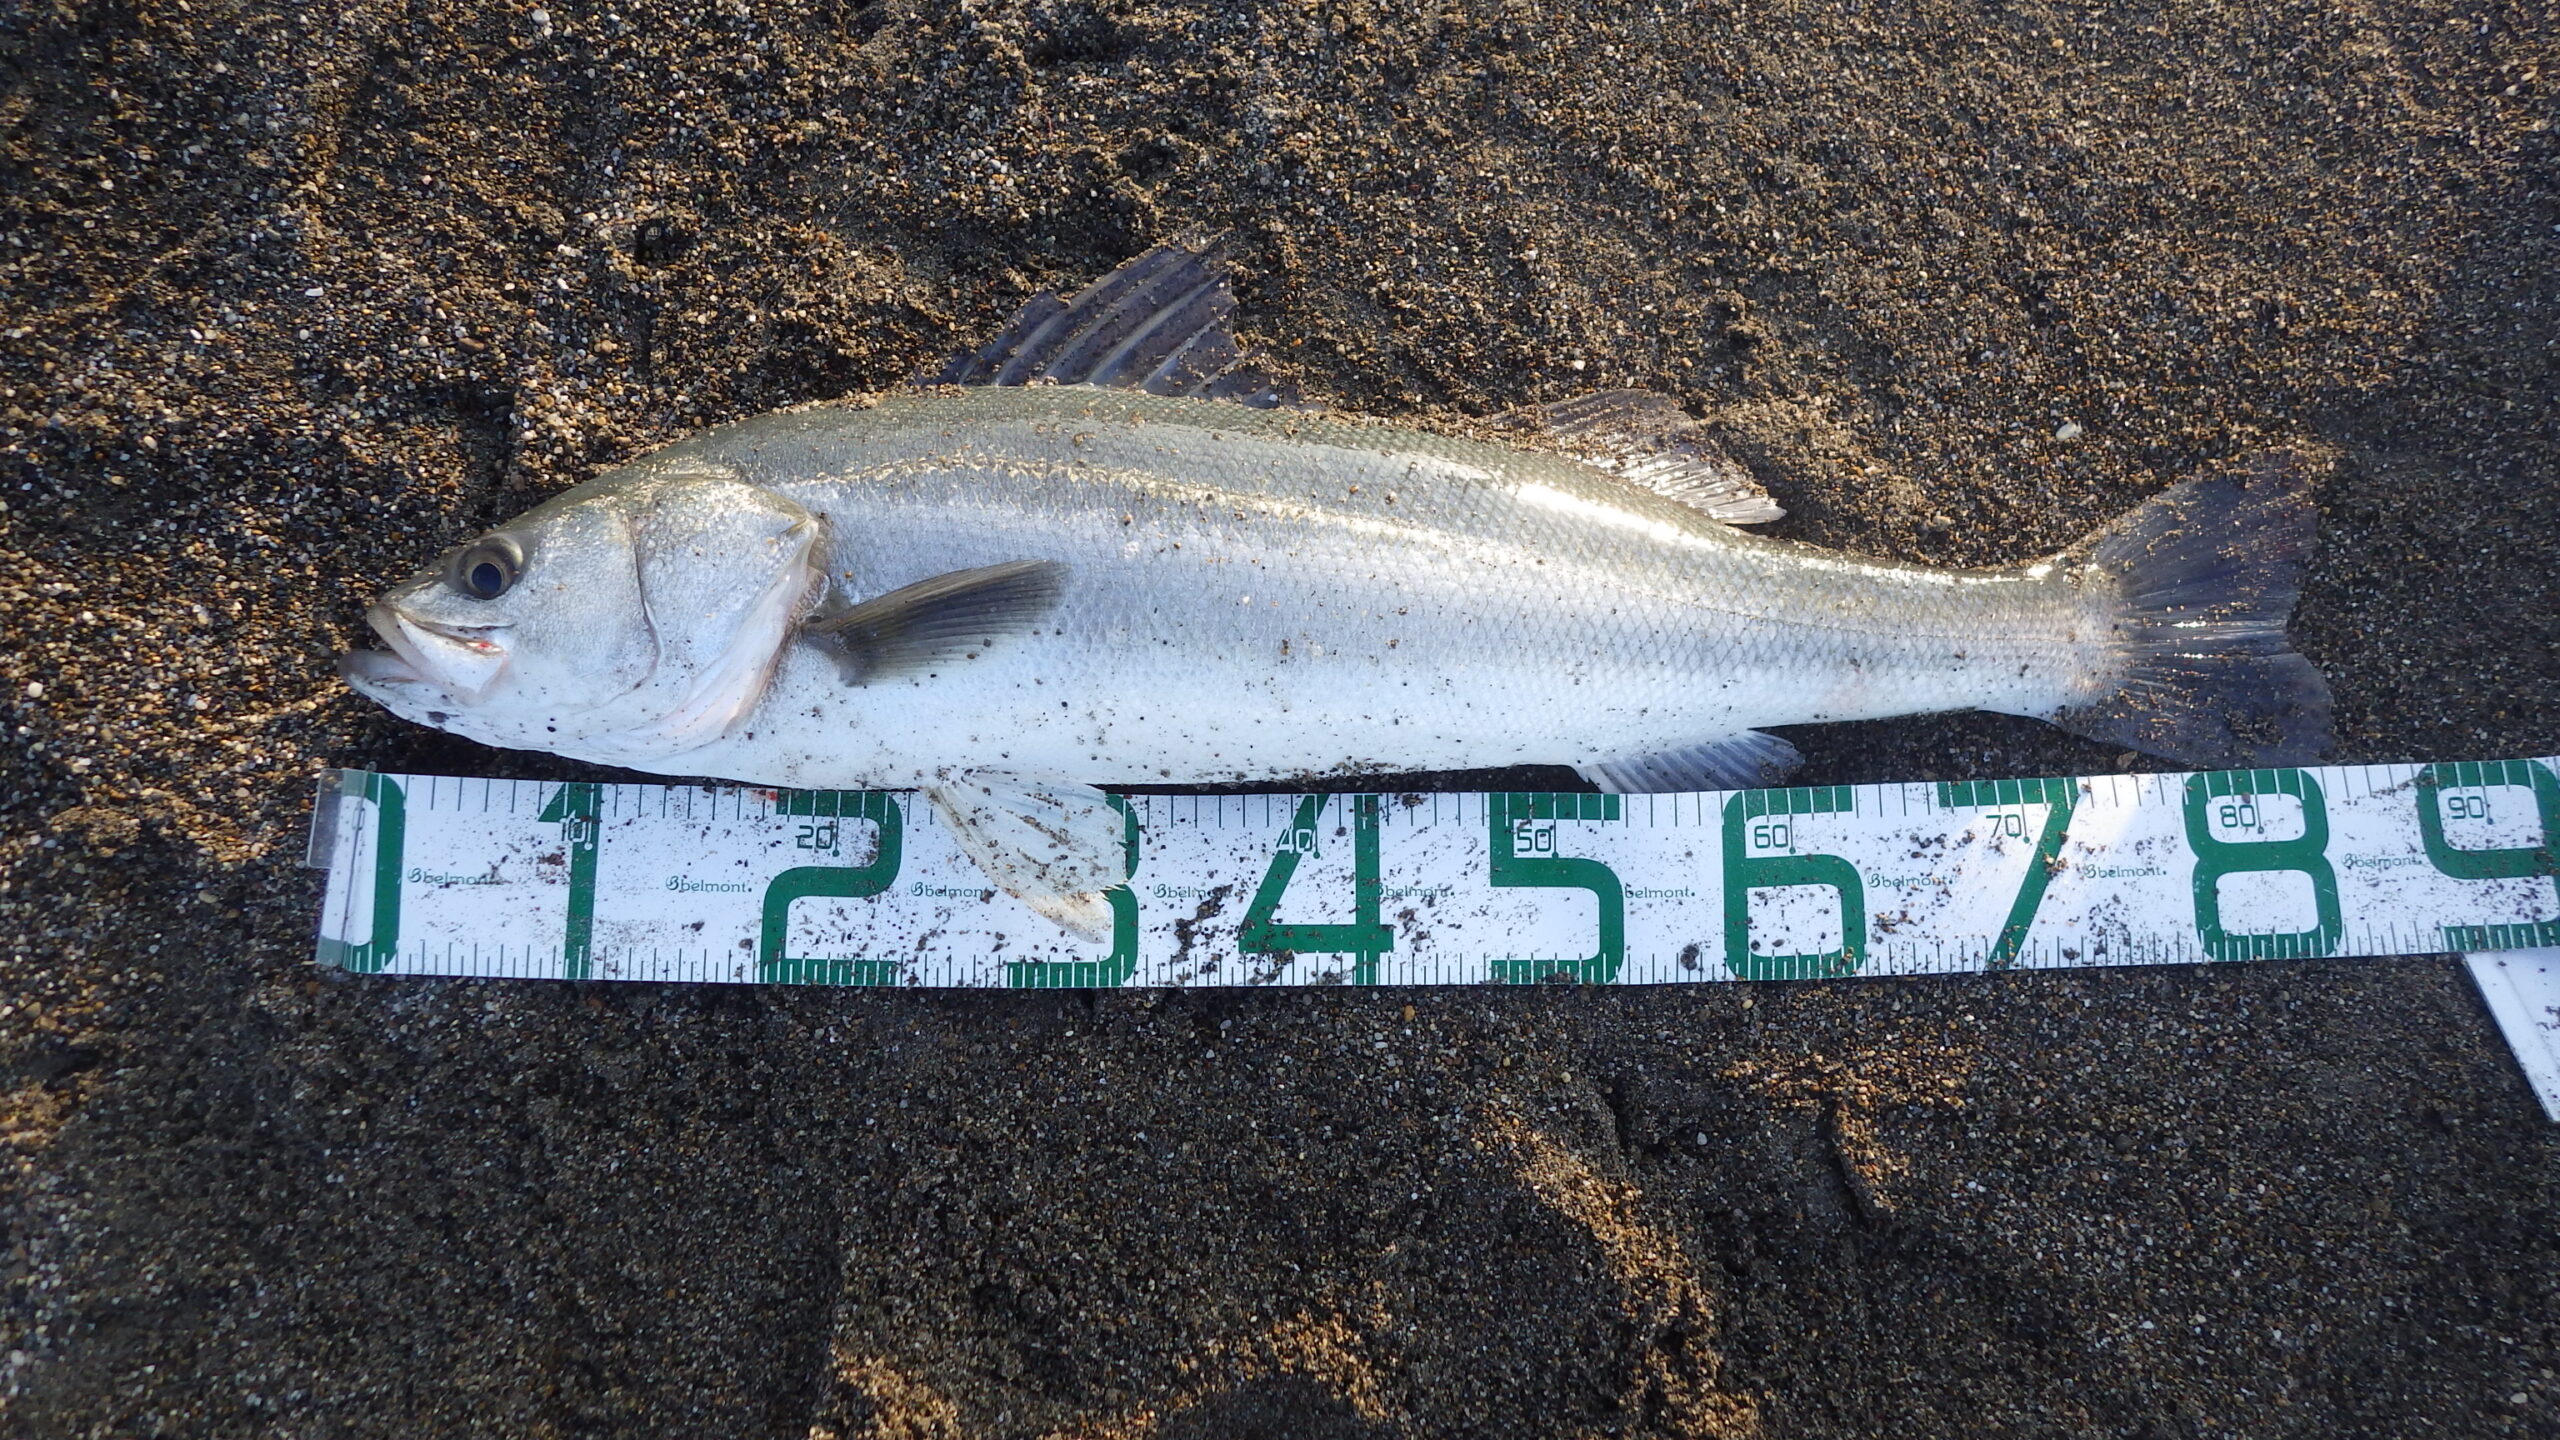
[{"x": 1523, "y": 838}]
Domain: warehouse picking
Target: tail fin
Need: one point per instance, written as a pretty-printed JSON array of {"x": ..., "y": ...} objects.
[{"x": 2204, "y": 576}]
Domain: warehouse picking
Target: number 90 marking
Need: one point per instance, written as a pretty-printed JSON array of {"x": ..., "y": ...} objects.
[{"x": 2474, "y": 806}]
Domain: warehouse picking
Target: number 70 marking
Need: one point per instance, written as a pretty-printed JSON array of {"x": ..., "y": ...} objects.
[{"x": 2057, "y": 797}]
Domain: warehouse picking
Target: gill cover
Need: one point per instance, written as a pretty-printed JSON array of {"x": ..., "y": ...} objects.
[{"x": 725, "y": 568}]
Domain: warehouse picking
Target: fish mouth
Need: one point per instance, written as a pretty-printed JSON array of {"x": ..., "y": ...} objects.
[{"x": 461, "y": 660}]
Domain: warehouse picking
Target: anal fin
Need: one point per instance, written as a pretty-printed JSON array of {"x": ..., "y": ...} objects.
[
  {"x": 1644, "y": 438},
  {"x": 1054, "y": 847},
  {"x": 1748, "y": 761}
]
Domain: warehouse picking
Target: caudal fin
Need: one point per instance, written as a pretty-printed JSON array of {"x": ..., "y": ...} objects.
[{"x": 2204, "y": 576}]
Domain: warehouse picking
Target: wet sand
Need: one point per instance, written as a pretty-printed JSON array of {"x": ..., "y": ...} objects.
[{"x": 294, "y": 297}]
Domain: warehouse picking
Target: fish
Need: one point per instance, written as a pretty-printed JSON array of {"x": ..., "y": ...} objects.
[{"x": 1103, "y": 549}]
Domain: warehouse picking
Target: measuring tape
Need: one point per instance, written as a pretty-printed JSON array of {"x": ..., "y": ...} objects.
[{"x": 436, "y": 875}]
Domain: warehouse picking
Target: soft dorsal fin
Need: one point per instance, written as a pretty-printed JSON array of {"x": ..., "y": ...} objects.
[
  {"x": 1646, "y": 439},
  {"x": 1158, "y": 324},
  {"x": 936, "y": 621}
]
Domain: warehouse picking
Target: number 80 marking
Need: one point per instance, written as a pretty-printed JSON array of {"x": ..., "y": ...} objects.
[{"x": 2306, "y": 854}]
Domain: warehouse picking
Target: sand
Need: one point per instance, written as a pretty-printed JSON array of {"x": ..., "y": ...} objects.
[{"x": 293, "y": 297}]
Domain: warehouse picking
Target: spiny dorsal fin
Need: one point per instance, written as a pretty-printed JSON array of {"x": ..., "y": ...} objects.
[
  {"x": 1646, "y": 439},
  {"x": 936, "y": 621},
  {"x": 1158, "y": 324}
]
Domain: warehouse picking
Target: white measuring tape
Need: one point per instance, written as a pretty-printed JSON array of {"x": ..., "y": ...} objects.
[
  {"x": 432, "y": 875},
  {"x": 2522, "y": 988}
]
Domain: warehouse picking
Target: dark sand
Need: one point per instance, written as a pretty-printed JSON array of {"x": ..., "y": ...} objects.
[{"x": 296, "y": 296}]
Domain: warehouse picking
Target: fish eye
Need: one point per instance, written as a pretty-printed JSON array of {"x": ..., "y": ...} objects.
[{"x": 486, "y": 567}]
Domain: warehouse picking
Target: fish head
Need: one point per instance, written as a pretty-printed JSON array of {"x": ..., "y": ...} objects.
[{"x": 623, "y": 621}]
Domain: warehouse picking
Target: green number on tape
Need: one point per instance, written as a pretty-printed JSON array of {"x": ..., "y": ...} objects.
[
  {"x": 1523, "y": 834},
  {"x": 1365, "y": 938},
  {"x": 830, "y": 882},
  {"x": 1745, "y": 872},
  {"x": 2057, "y": 796},
  {"x": 1095, "y": 974},
  {"x": 577, "y": 806},
  {"x": 391, "y": 809},
  {"x": 2231, "y": 797},
  {"x": 2514, "y": 863}
]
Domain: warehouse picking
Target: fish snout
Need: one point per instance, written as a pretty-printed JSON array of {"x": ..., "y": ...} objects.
[{"x": 463, "y": 661}]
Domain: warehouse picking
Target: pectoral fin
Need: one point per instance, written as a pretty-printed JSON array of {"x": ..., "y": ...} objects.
[
  {"x": 920, "y": 628},
  {"x": 1055, "y": 848}
]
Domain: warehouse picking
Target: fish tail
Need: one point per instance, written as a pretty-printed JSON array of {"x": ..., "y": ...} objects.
[{"x": 2202, "y": 578}]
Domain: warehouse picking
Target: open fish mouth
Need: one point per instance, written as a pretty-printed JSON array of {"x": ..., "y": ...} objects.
[{"x": 464, "y": 661}]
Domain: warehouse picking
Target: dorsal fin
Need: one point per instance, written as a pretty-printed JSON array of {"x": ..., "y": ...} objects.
[
  {"x": 1158, "y": 324},
  {"x": 1646, "y": 439}
]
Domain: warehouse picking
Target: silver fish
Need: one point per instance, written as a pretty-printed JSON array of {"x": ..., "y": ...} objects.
[{"x": 1141, "y": 570}]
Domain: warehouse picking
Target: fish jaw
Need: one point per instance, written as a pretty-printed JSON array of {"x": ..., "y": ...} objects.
[
  {"x": 429, "y": 669},
  {"x": 464, "y": 660}
]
